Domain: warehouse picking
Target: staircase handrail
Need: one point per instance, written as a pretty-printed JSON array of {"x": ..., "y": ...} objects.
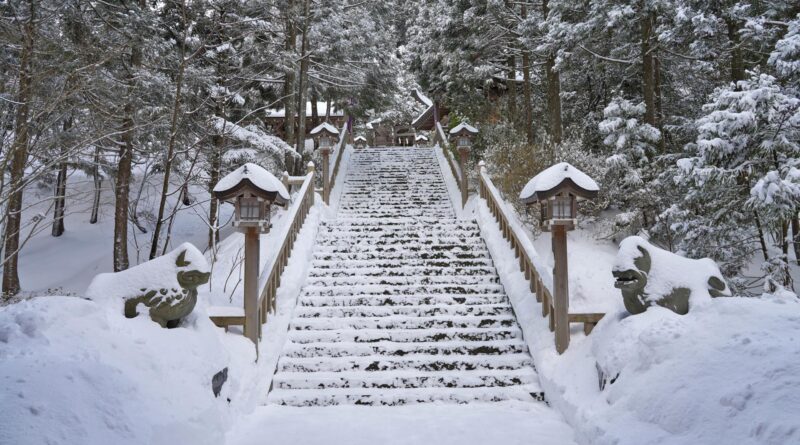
[
  {"x": 337, "y": 152},
  {"x": 270, "y": 278},
  {"x": 445, "y": 145},
  {"x": 536, "y": 272}
]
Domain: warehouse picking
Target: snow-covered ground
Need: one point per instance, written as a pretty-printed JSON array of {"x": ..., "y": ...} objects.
[{"x": 728, "y": 372}]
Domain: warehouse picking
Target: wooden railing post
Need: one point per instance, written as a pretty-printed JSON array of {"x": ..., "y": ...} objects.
[
  {"x": 326, "y": 179},
  {"x": 463, "y": 154},
  {"x": 252, "y": 322},
  {"x": 560, "y": 288},
  {"x": 310, "y": 171}
]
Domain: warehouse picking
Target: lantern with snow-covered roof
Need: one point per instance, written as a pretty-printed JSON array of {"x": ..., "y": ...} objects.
[
  {"x": 360, "y": 141},
  {"x": 557, "y": 190},
  {"x": 326, "y": 136},
  {"x": 252, "y": 190},
  {"x": 463, "y": 134}
]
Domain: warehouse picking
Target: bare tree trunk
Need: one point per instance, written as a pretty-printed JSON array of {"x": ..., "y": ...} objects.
[
  {"x": 302, "y": 83},
  {"x": 59, "y": 203},
  {"x": 98, "y": 184},
  {"x": 173, "y": 131},
  {"x": 19, "y": 157},
  {"x": 761, "y": 239},
  {"x": 123, "y": 180},
  {"x": 328, "y": 110},
  {"x": 216, "y": 165}
]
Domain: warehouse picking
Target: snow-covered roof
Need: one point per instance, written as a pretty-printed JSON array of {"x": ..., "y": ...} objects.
[
  {"x": 360, "y": 138},
  {"x": 425, "y": 100},
  {"x": 421, "y": 137},
  {"x": 374, "y": 121},
  {"x": 463, "y": 127},
  {"x": 325, "y": 126},
  {"x": 544, "y": 185},
  {"x": 322, "y": 108},
  {"x": 255, "y": 175}
]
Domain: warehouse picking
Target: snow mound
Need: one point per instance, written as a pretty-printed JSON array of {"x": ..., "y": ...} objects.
[
  {"x": 257, "y": 175},
  {"x": 552, "y": 176},
  {"x": 727, "y": 372},
  {"x": 669, "y": 271},
  {"x": 76, "y": 372},
  {"x": 160, "y": 272}
]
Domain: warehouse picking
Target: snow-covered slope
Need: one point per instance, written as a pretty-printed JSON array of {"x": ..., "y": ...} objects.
[{"x": 403, "y": 304}]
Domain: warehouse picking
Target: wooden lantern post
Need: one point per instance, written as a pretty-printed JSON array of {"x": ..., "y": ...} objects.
[
  {"x": 557, "y": 189},
  {"x": 252, "y": 190},
  {"x": 463, "y": 133},
  {"x": 325, "y": 134}
]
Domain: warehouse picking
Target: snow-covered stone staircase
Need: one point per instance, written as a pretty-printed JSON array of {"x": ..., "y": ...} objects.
[{"x": 402, "y": 304}]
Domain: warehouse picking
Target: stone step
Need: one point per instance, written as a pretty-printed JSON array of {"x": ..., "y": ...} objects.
[
  {"x": 411, "y": 256},
  {"x": 408, "y": 379},
  {"x": 418, "y": 362},
  {"x": 478, "y": 310},
  {"x": 399, "y": 271},
  {"x": 405, "y": 335},
  {"x": 403, "y": 280},
  {"x": 404, "y": 349},
  {"x": 401, "y": 242},
  {"x": 403, "y": 263},
  {"x": 349, "y": 299},
  {"x": 402, "y": 322},
  {"x": 395, "y": 290}
]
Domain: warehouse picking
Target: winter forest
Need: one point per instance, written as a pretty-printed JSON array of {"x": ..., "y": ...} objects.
[{"x": 120, "y": 118}]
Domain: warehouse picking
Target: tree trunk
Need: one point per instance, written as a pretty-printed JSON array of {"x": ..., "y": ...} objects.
[
  {"x": 761, "y": 239},
  {"x": 98, "y": 184},
  {"x": 796, "y": 237},
  {"x": 60, "y": 198},
  {"x": 301, "y": 82},
  {"x": 511, "y": 85},
  {"x": 328, "y": 110},
  {"x": 553, "y": 90},
  {"x": 648, "y": 69},
  {"x": 288, "y": 84},
  {"x": 19, "y": 157},
  {"x": 173, "y": 131},
  {"x": 214, "y": 174},
  {"x": 314, "y": 110},
  {"x": 737, "y": 55},
  {"x": 526, "y": 87}
]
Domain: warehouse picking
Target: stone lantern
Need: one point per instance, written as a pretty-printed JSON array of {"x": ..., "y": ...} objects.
[
  {"x": 252, "y": 190},
  {"x": 557, "y": 190},
  {"x": 326, "y": 136},
  {"x": 463, "y": 134},
  {"x": 360, "y": 141}
]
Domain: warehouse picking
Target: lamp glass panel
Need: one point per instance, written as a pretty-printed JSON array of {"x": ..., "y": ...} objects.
[
  {"x": 562, "y": 207},
  {"x": 249, "y": 210},
  {"x": 463, "y": 141}
]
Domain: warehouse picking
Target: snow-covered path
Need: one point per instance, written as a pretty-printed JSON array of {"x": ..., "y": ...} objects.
[{"x": 402, "y": 306}]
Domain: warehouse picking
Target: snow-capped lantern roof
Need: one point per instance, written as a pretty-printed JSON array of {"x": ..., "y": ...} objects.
[
  {"x": 324, "y": 128},
  {"x": 556, "y": 179},
  {"x": 421, "y": 137},
  {"x": 463, "y": 129},
  {"x": 255, "y": 180},
  {"x": 360, "y": 138}
]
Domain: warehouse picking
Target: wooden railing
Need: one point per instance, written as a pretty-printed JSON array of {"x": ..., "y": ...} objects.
[
  {"x": 270, "y": 278},
  {"x": 456, "y": 167},
  {"x": 337, "y": 153},
  {"x": 540, "y": 278}
]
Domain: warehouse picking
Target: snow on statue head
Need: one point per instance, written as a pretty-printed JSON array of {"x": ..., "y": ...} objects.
[
  {"x": 167, "y": 285},
  {"x": 648, "y": 275}
]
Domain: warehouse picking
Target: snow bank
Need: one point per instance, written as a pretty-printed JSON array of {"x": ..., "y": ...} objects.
[
  {"x": 727, "y": 372},
  {"x": 76, "y": 372},
  {"x": 550, "y": 177},
  {"x": 256, "y": 174}
]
